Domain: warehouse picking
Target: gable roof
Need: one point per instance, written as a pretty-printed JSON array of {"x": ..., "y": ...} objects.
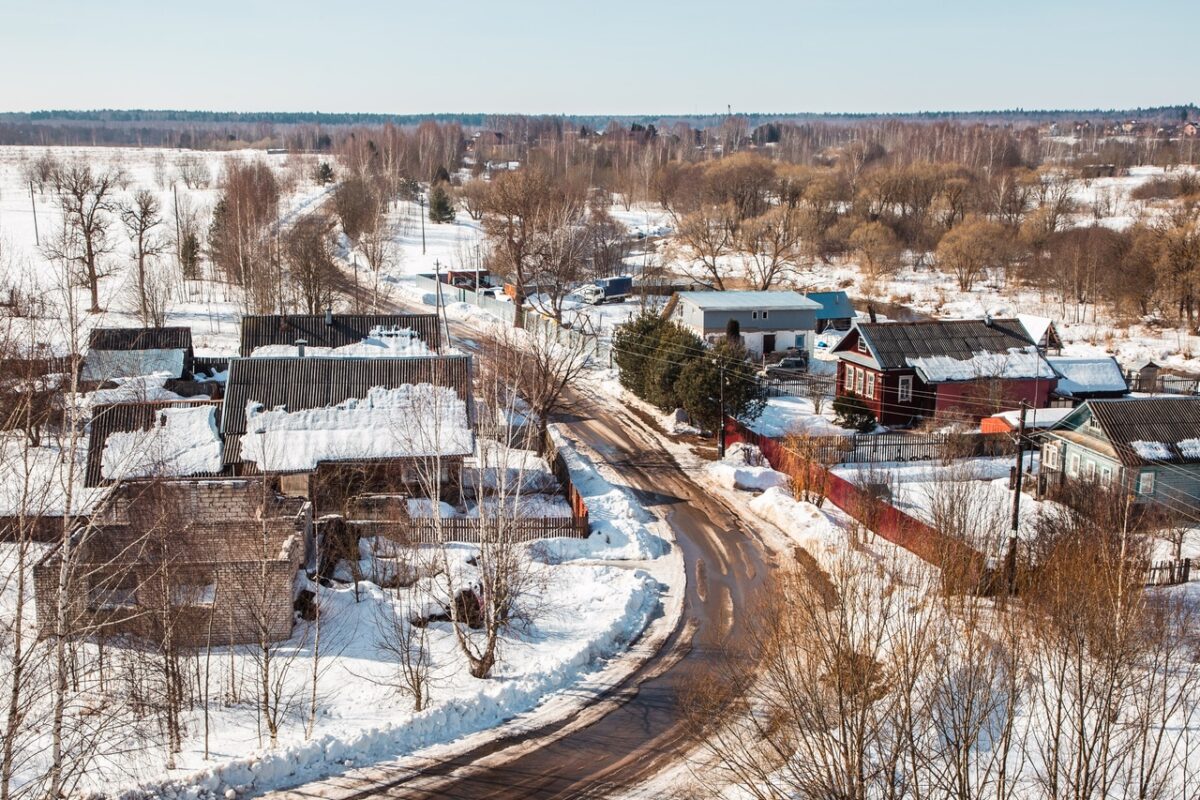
[
  {"x": 307, "y": 383},
  {"x": 834, "y": 305},
  {"x": 893, "y": 344},
  {"x": 736, "y": 301},
  {"x": 1041, "y": 330},
  {"x": 346, "y": 329},
  {"x": 125, "y": 418},
  {"x": 168, "y": 338},
  {"x": 1148, "y": 430},
  {"x": 1081, "y": 377}
]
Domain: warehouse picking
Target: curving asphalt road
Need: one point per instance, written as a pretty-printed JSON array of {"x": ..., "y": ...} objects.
[{"x": 643, "y": 730}]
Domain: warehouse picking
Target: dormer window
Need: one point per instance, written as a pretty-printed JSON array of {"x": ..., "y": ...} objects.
[{"x": 861, "y": 346}]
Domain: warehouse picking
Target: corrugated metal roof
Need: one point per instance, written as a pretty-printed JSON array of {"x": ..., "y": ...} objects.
[
  {"x": 834, "y": 305},
  {"x": 1089, "y": 377},
  {"x": 122, "y": 418},
  {"x": 722, "y": 301},
  {"x": 274, "y": 329},
  {"x": 304, "y": 383},
  {"x": 892, "y": 343},
  {"x": 168, "y": 338},
  {"x": 1165, "y": 420}
]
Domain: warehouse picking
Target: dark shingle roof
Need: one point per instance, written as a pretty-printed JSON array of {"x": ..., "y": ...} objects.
[
  {"x": 173, "y": 338},
  {"x": 122, "y": 418},
  {"x": 1167, "y": 420},
  {"x": 303, "y": 383},
  {"x": 274, "y": 329},
  {"x": 894, "y": 342}
]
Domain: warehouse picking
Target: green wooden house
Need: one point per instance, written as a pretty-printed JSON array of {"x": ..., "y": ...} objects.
[{"x": 1149, "y": 446}]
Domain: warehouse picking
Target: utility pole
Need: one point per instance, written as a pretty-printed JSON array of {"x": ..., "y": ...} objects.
[
  {"x": 1010, "y": 567},
  {"x": 721, "y": 402},
  {"x": 421, "y": 203},
  {"x": 33, "y": 206},
  {"x": 178, "y": 233}
]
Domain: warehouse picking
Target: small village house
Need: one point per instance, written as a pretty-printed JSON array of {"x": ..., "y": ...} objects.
[
  {"x": 1087, "y": 378},
  {"x": 963, "y": 369},
  {"x": 1146, "y": 446},
  {"x": 769, "y": 322}
]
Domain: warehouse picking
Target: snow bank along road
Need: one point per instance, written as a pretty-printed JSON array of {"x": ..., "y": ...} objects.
[{"x": 638, "y": 728}]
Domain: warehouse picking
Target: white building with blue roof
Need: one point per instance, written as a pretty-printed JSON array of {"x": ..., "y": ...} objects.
[{"x": 769, "y": 322}]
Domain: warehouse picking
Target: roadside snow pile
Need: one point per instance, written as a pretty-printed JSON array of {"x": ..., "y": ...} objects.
[
  {"x": 618, "y": 520},
  {"x": 744, "y": 468},
  {"x": 419, "y": 420},
  {"x": 182, "y": 441},
  {"x": 587, "y": 614},
  {"x": 380, "y": 343},
  {"x": 1016, "y": 363},
  {"x": 1151, "y": 451},
  {"x": 804, "y": 523},
  {"x": 676, "y": 422}
]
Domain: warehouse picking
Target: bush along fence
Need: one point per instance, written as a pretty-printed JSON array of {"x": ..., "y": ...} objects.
[{"x": 963, "y": 567}]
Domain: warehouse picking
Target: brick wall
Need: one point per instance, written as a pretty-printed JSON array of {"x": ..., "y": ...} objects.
[{"x": 204, "y": 558}]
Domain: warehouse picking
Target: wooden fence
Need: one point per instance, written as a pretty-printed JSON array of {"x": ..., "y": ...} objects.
[
  {"x": 875, "y": 448},
  {"x": 806, "y": 386},
  {"x": 426, "y": 530},
  {"x": 1163, "y": 384},
  {"x": 1168, "y": 573},
  {"x": 963, "y": 567}
]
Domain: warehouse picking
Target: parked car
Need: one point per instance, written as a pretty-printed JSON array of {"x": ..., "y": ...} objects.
[{"x": 787, "y": 369}]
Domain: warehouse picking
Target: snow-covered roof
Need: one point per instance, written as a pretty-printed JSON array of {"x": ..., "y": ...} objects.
[
  {"x": 144, "y": 388},
  {"x": 1036, "y": 326},
  {"x": 107, "y": 365},
  {"x": 379, "y": 343},
  {"x": 723, "y": 301},
  {"x": 1016, "y": 364},
  {"x": 181, "y": 441},
  {"x": 1083, "y": 376},
  {"x": 408, "y": 421},
  {"x": 1035, "y": 417}
]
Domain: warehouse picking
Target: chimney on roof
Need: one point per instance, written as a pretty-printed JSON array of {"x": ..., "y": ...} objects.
[
  {"x": 300, "y": 347},
  {"x": 987, "y": 320},
  {"x": 329, "y": 315}
]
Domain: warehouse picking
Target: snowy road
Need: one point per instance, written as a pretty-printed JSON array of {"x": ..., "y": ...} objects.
[{"x": 638, "y": 728}]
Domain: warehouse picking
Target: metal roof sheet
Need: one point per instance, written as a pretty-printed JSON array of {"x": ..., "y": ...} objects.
[{"x": 721, "y": 301}]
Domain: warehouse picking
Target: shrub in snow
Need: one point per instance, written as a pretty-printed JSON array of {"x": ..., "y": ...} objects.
[{"x": 854, "y": 413}]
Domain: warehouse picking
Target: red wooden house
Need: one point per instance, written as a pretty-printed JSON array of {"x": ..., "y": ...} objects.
[{"x": 964, "y": 369}]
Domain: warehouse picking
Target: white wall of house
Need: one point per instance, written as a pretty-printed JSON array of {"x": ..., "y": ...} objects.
[{"x": 801, "y": 340}]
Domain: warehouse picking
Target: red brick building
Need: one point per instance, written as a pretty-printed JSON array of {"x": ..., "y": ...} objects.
[{"x": 964, "y": 369}]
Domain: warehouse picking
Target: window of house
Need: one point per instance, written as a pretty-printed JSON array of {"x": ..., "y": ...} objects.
[
  {"x": 904, "y": 389},
  {"x": 112, "y": 592},
  {"x": 1050, "y": 455},
  {"x": 753, "y": 315},
  {"x": 764, "y": 315},
  {"x": 1090, "y": 469},
  {"x": 860, "y": 378},
  {"x": 1073, "y": 464},
  {"x": 871, "y": 385},
  {"x": 196, "y": 591},
  {"x": 861, "y": 346},
  {"x": 1106, "y": 476},
  {"x": 1146, "y": 483},
  {"x": 849, "y": 378}
]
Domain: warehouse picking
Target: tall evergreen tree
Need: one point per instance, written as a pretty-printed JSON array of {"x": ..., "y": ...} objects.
[{"x": 441, "y": 206}]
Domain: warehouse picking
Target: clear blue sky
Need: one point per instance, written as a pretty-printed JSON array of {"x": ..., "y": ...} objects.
[{"x": 606, "y": 57}]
